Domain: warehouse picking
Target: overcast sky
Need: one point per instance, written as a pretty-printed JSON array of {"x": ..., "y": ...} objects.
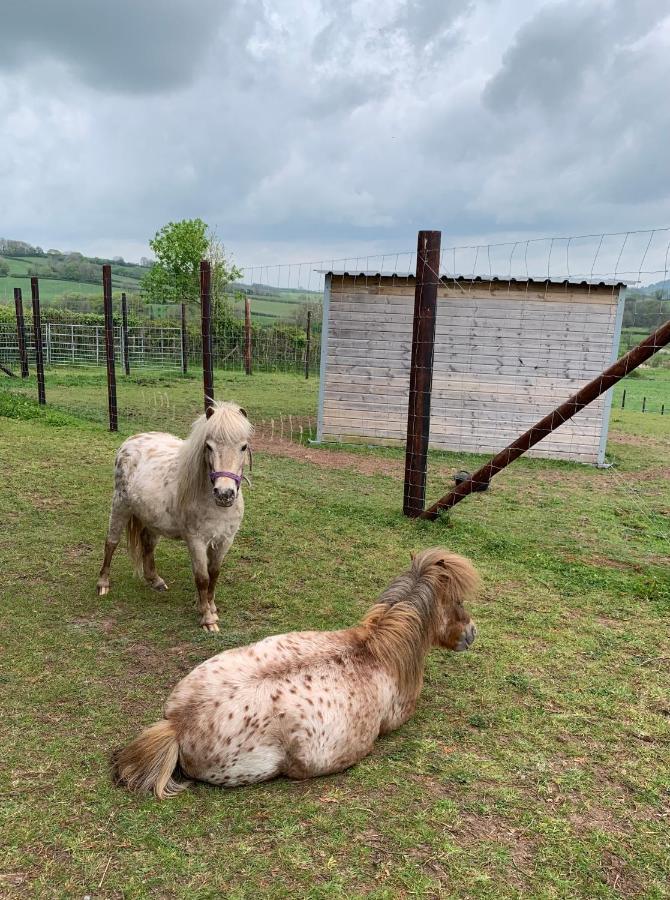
[{"x": 302, "y": 129}]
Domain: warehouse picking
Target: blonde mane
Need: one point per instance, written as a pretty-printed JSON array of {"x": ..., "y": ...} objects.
[
  {"x": 226, "y": 425},
  {"x": 400, "y": 626}
]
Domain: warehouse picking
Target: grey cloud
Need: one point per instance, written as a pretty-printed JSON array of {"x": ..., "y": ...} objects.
[
  {"x": 550, "y": 58},
  {"x": 303, "y": 124},
  {"x": 556, "y": 52},
  {"x": 426, "y": 22},
  {"x": 130, "y": 45}
]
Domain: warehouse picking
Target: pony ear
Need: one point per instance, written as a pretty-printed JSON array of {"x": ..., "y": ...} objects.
[
  {"x": 244, "y": 412},
  {"x": 412, "y": 554},
  {"x": 209, "y": 412}
]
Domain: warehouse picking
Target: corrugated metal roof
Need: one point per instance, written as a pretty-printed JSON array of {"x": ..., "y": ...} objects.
[{"x": 469, "y": 279}]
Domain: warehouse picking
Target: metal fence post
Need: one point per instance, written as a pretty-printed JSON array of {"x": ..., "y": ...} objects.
[
  {"x": 48, "y": 342},
  {"x": 184, "y": 345},
  {"x": 421, "y": 372},
  {"x": 109, "y": 347},
  {"x": 21, "y": 332},
  {"x": 37, "y": 332},
  {"x": 247, "y": 336},
  {"x": 308, "y": 341},
  {"x": 124, "y": 334},
  {"x": 206, "y": 324}
]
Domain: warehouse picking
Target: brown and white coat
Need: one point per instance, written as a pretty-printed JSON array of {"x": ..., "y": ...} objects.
[{"x": 306, "y": 703}]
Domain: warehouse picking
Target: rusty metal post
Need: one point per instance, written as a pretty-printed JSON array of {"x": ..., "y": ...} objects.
[
  {"x": 421, "y": 372},
  {"x": 124, "y": 334},
  {"x": 308, "y": 341},
  {"x": 590, "y": 392},
  {"x": 21, "y": 332},
  {"x": 109, "y": 347},
  {"x": 247, "y": 336},
  {"x": 37, "y": 332},
  {"x": 206, "y": 321},
  {"x": 184, "y": 342}
]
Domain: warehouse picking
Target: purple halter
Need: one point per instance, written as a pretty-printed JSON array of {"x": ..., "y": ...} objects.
[{"x": 236, "y": 478}]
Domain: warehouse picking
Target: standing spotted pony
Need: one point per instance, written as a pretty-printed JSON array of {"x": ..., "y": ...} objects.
[{"x": 188, "y": 490}]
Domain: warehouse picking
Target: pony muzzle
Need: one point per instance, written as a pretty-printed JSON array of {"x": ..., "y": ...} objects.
[
  {"x": 467, "y": 637},
  {"x": 224, "y": 493}
]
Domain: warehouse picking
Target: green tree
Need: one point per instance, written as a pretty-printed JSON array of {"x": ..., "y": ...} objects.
[
  {"x": 175, "y": 275},
  {"x": 4, "y": 268}
]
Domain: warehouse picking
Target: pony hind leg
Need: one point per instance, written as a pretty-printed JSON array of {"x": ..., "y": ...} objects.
[
  {"x": 118, "y": 520},
  {"x": 149, "y": 540}
]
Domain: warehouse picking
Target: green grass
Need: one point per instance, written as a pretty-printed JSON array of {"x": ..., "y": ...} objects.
[
  {"x": 123, "y": 278},
  {"x": 535, "y": 766},
  {"x": 160, "y": 399},
  {"x": 652, "y": 383}
]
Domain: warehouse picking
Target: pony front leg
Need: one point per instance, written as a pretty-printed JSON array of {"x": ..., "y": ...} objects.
[
  {"x": 199, "y": 562},
  {"x": 215, "y": 554}
]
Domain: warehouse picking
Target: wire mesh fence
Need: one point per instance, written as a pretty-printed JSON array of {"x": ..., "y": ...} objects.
[{"x": 509, "y": 342}]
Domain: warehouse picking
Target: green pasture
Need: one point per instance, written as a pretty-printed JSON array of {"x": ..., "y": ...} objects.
[{"x": 536, "y": 764}]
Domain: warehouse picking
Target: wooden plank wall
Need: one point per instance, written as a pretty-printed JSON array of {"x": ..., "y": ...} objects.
[{"x": 504, "y": 357}]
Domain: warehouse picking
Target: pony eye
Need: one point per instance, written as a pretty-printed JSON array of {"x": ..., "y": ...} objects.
[{"x": 244, "y": 447}]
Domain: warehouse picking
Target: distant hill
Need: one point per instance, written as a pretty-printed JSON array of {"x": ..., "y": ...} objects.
[
  {"x": 70, "y": 280},
  {"x": 663, "y": 286},
  {"x": 73, "y": 281}
]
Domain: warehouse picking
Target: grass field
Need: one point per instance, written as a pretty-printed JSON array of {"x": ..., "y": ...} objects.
[
  {"x": 265, "y": 308},
  {"x": 536, "y": 765},
  {"x": 123, "y": 278}
]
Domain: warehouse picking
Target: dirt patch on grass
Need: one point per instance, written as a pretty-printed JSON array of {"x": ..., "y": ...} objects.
[
  {"x": 105, "y": 625},
  {"x": 173, "y": 661},
  {"x": 607, "y": 562},
  {"x": 331, "y": 459},
  {"x": 48, "y": 502},
  {"x": 618, "y": 877},
  {"x": 474, "y": 829},
  {"x": 597, "y": 818},
  {"x": 76, "y": 551}
]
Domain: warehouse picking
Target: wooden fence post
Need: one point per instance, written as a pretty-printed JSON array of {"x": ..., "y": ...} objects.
[
  {"x": 109, "y": 347},
  {"x": 124, "y": 334},
  {"x": 308, "y": 341},
  {"x": 247, "y": 336},
  {"x": 37, "y": 332},
  {"x": 206, "y": 321},
  {"x": 184, "y": 341},
  {"x": 421, "y": 371},
  {"x": 21, "y": 332}
]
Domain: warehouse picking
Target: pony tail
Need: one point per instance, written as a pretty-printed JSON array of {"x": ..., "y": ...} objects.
[
  {"x": 150, "y": 762},
  {"x": 134, "y": 541},
  {"x": 459, "y": 577}
]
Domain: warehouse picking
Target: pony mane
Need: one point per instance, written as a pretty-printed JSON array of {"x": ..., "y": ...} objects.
[
  {"x": 226, "y": 425},
  {"x": 399, "y": 627}
]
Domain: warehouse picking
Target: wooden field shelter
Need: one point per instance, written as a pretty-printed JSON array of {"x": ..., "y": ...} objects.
[{"x": 507, "y": 351}]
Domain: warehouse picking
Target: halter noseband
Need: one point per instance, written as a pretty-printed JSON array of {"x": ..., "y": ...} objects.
[{"x": 236, "y": 478}]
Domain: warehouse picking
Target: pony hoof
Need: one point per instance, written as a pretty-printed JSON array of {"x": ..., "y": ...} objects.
[
  {"x": 102, "y": 589},
  {"x": 210, "y": 626},
  {"x": 159, "y": 585}
]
